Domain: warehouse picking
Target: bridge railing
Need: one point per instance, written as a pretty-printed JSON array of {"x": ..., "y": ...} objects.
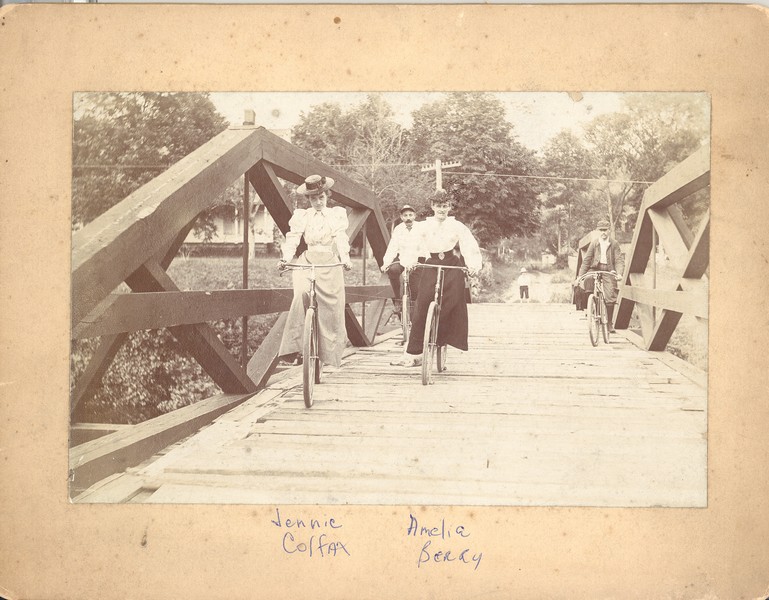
[
  {"x": 663, "y": 222},
  {"x": 135, "y": 242}
]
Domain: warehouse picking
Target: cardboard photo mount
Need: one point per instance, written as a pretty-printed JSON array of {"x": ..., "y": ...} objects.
[{"x": 53, "y": 549}]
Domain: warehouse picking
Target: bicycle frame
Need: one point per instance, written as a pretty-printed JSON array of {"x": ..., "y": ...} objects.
[
  {"x": 430, "y": 345},
  {"x": 311, "y": 363},
  {"x": 596, "y": 309}
]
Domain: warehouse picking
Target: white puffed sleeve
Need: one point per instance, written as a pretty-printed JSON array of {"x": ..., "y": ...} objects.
[
  {"x": 392, "y": 247},
  {"x": 296, "y": 227},
  {"x": 339, "y": 224},
  {"x": 469, "y": 248}
]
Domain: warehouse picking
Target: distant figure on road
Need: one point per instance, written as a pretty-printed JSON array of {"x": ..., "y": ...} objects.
[
  {"x": 325, "y": 232},
  {"x": 440, "y": 235},
  {"x": 403, "y": 252},
  {"x": 524, "y": 281},
  {"x": 604, "y": 254}
]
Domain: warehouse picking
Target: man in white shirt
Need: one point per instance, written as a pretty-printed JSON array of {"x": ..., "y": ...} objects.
[
  {"x": 403, "y": 252},
  {"x": 604, "y": 254},
  {"x": 440, "y": 235}
]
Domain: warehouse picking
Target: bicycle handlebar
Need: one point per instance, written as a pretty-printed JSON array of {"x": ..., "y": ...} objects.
[
  {"x": 594, "y": 273},
  {"x": 292, "y": 266},
  {"x": 418, "y": 265}
]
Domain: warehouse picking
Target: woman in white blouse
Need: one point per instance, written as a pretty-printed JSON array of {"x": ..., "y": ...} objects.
[
  {"x": 325, "y": 232},
  {"x": 439, "y": 235}
]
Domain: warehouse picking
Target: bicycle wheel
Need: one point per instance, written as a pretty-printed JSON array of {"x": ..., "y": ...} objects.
[
  {"x": 604, "y": 321},
  {"x": 428, "y": 345},
  {"x": 593, "y": 319},
  {"x": 405, "y": 318},
  {"x": 309, "y": 355},
  {"x": 442, "y": 358}
]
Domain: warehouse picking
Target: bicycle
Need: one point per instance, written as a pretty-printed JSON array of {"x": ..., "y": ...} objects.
[
  {"x": 311, "y": 363},
  {"x": 596, "y": 306},
  {"x": 430, "y": 347},
  {"x": 406, "y": 302}
]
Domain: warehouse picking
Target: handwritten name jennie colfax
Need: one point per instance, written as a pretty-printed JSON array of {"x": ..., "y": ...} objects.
[
  {"x": 309, "y": 537},
  {"x": 443, "y": 532}
]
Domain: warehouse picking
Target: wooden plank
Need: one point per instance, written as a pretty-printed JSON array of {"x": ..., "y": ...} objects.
[
  {"x": 90, "y": 379},
  {"x": 115, "y": 244},
  {"x": 669, "y": 238},
  {"x": 676, "y": 300},
  {"x": 677, "y": 215},
  {"x": 272, "y": 194},
  {"x": 355, "y": 332},
  {"x": 265, "y": 359},
  {"x": 199, "y": 340},
  {"x": 687, "y": 177},
  {"x": 493, "y": 430},
  {"x": 117, "y": 451},
  {"x": 155, "y": 310},
  {"x": 698, "y": 260}
]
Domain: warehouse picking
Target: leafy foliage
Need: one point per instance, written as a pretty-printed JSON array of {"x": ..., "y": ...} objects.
[
  {"x": 620, "y": 153},
  {"x": 472, "y": 128},
  {"x": 370, "y": 147},
  {"x": 123, "y": 140}
]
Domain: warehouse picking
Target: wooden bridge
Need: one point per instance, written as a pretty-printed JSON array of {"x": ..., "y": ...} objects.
[{"x": 532, "y": 415}]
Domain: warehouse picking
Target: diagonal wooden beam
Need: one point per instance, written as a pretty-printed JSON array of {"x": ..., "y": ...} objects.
[
  {"x": 111, "y": 344},
  {"x": 687, "y": 177},
  {"x": 272, "y": 194},
  {"x": 89, "y": 380},
  {"x": 265, "y": 359},
  {"x": 670, "y": 239},
  {"x": 115, "y": 244},
  {"x": 675, "y": 212},
  {"x": 200, "y": 340},
  {"x": 663, "y": 330},
  {"x": 355, "y": 332},
  {"x": 699, "y": 251}
]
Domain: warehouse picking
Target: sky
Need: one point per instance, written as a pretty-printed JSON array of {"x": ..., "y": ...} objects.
[{"x": 536, "y": 116}]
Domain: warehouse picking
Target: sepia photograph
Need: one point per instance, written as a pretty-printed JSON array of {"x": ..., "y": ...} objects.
[
  {"x": 384, "y": 301},
  {"x": 390, "y": 298}
]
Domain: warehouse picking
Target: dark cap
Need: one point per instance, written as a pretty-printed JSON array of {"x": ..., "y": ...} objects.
[
  {"x": 602, "y": 224},
  {"x": 406, "y": 207}
]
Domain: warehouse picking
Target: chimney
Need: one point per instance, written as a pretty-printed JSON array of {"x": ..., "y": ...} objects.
[{"x": 250, "y": 117}]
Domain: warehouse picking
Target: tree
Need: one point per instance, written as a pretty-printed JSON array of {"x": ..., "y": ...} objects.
[
  {"x": 491, "y": 191},
  {"x": 369, "y": 146},
  {"x": 568, "y": 207},
  {"x": 120, "y": 142},
  {"x": 638, "y": 145},
  {"x": 123, "y": 140}
]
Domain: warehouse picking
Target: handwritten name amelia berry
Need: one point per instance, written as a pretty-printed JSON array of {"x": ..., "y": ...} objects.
[{"x": 450, "y": 544}]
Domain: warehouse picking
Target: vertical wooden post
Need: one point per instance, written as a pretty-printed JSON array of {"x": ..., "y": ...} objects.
[
  {"x": 246, "y": 227},
  {"x": 654, "y": 270},
  {"x": 365, "y": 252}
]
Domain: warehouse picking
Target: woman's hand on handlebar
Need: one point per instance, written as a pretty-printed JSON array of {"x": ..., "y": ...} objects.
[
  {"x": 347, "y": 265},
  {"x": 282, "y": 265}
]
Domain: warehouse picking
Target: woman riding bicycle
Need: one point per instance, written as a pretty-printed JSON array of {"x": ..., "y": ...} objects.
[
  {"x": 440, "y": 235},
  {"x": 324, "y": 231}
]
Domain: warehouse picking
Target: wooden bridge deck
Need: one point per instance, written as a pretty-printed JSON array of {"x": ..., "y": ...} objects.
[{"x": 532, "y": 415}]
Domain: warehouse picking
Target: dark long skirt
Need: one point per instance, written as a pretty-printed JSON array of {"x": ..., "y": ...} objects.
[{"x": 452, "y": 327}]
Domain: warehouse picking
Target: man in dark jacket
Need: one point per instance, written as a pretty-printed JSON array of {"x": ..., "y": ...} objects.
[{"x": 604, "y": 254}]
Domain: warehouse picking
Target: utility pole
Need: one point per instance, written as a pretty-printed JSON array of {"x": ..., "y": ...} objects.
[{"x": 438, "y": 168}]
